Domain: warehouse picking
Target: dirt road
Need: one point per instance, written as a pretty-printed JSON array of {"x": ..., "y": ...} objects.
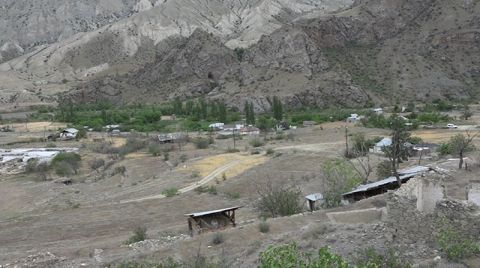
[{"x": 207, "y": 179}]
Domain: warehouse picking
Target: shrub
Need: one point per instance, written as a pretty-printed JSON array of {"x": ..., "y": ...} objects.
[
  {"x": 279, "y": 136},
  {"x": 233, "y": 195},
  {"x": 139, "y": 234},
  {"x": 279, "y": 200},
  {"x": 415, "y": 140},
  {"x": 97, "y": 163},
  {"x": 256, "y": 143},
  {"x": 66, "y": 163},
  {"x": 64, "y": 169},
  {"x": 51, "y": 145},
  {"x": 31, "y": 165},
  {"x": 201, "y": 143},
  {"x": 264, "y": 227},
  {"x": 170, "y": 192},
  {"x": 154, "y": 149},
  {"x": 444, "y": 149},
  {"x": 105, "y": 148},
  {"x": 205, "y": 189},
  {"x": 81, "y": 134},
  {"x": 132, "y": 145},
  {"x": 290, "y": 256},
  {"x": 454, "y": 245},
  {"x": 369, "y": 257},
  {"x": 119, "y": 170},
  {"x": 217, "y": 239},
  {"x": 232, "y": 151}
]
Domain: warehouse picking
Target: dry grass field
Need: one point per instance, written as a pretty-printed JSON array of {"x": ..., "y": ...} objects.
[{"x": 101, "y": 208}]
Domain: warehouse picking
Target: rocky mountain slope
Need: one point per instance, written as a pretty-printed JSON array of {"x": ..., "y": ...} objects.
[{"x": 308, "y": 52}]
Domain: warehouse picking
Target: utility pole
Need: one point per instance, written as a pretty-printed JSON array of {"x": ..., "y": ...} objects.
[
  {"x": 234, "y": 139},
  {"x": 346, "y": 141}
]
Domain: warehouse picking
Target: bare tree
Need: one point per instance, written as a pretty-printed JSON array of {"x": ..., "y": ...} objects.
[
  {"x": 361, "y": 161},
  {"x": 460, "y": 144}
]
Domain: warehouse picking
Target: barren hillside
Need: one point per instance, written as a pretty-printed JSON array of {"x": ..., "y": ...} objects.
[{"x": 316, "y": 53}]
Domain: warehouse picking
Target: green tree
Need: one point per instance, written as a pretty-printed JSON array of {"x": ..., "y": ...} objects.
[
  {"x": 466, "y": 113},
  {"x": 397, "y": 151},
  {"x": 177, "y": 106},
  {"x": 277, "y": 109},
  {"x": 222, "y": 112},
  {"x": 265, "y": 124},
  {"x": 249, "y": 113},
  {"x": 339, "y": 177},
  {"x": 189, "y": 107},
  {"x": 203, "y": 108},
  {"x": 460, "y": 144}
]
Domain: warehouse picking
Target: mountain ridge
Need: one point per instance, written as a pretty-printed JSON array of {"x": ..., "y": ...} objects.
[{"x": 315, "y": 53}]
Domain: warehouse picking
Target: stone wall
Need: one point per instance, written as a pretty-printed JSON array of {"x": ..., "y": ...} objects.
[{"x": 406, "y": 221}]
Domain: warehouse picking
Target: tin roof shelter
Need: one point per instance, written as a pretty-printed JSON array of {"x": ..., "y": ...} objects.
[
  {"x": 200, "y": 222},
  {"x": 379, "y": 187},
  {"x": 312, "y": 199}
]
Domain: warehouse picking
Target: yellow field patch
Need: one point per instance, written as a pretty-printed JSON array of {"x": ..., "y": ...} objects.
[
  {"x": 240, "y": 163},
  {"x": 245, "y": 165},
  {"x": 435, "y": 136},
  {"x": 136, "y": 155},
  {"x": 118, "y": 142},
  {"x": 36, "y": 126}
]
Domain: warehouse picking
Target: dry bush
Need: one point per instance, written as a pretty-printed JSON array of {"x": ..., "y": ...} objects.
[{"x": 278, "y": 200}]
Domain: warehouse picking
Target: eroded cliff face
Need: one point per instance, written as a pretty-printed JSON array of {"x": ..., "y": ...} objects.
[{"x": 308, "y": 52}]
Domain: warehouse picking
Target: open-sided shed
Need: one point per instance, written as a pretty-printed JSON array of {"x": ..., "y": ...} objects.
[
  {"x": 379, "y": 187},
  {"x": 200, "y": 222}
]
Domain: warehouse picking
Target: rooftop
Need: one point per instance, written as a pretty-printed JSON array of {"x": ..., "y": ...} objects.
[
  {"x": 404, "y": 174},
  {"x": 199, "y": 214}
]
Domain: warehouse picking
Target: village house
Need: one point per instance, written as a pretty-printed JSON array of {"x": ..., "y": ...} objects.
[
  {"x": 378, "y": 110},
  {"x": 216, "y": 126},
  {"x": 249, "y": 131},
  {"x": 69, "y": 133},
  {"x": 378, "y": 148},
  {"x": 354, "y": 118}
]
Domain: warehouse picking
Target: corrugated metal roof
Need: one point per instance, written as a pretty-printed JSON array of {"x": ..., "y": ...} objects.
[
  {"x": 198, "y": 214},
  {"x": 416, "y": 169},
  {"x": 71, "y": 130},
  {"x": 404, "y": 174},
  {"x": 384, "y": 142},
  {"x": 314, "y": 197}
]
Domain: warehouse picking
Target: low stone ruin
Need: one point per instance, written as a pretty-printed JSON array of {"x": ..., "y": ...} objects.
[{"x": 418, "y": 209}]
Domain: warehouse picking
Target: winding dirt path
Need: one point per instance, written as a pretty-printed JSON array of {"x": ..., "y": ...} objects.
[{"x": 210, "y": 177}]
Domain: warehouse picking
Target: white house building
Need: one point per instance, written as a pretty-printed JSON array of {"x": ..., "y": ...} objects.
[
  {"x": 69, "y": 133},
  {"x": 385, "y": 142}
]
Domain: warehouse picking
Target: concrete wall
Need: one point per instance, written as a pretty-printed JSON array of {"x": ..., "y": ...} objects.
[
  {"x": 428, "y": 193},
  {"x": 358, "y": 216},
  {"x": 473, "y": 194}
]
